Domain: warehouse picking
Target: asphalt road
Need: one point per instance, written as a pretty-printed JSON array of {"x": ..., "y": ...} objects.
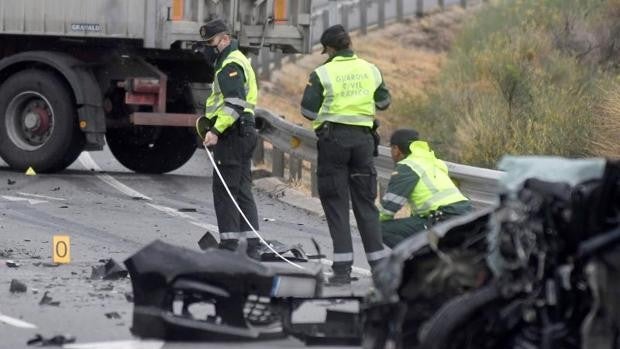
[{"x": 95, "y": 202}]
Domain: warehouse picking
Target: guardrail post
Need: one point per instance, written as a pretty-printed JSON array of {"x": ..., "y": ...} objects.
[
  {"x": 277, "y": 60},
  {"x": 400, "y": 10},
  {"x": 277, "y": 163},
  {"x": 419, "y": 9},
  {"x": 381, "y": 14},
  {"x": 344, "y": 16},
  {"x": 314, "y": 187},
  {"x": 325, "y": 19},
  {"x": 294, "y": 168},
  {"x": 259, "y": 152},
  {"x": 363, "y": 4},
  {"x": 265, "y": 63}
]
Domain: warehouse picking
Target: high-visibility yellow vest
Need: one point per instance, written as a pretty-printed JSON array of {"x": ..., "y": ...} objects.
[
  {"x": 349, "y": 85},
  {"x": 434, "y": 188},
  {"x": 215, "y": 104}
]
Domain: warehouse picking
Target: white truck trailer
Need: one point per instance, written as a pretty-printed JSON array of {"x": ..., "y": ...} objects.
[{"x": 77, "y": 73}]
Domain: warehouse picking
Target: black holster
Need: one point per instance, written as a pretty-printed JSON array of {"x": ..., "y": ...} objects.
[{"x": 376, "y": 137}]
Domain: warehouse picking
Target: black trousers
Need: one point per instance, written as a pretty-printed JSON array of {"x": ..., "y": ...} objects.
[
  {"x": 233, "y": 156},
  {"x": 346, "y": 171}
]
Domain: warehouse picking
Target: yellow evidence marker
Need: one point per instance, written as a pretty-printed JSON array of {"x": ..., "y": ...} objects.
[
  {"x": 61, "y": 249},
  {"x": 30, "y": 172}
]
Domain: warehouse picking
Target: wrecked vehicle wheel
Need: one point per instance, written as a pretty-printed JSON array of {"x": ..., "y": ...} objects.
[
  {"x": 149, "y": 149},
  {"x": 461, "y": 323},
  {"x": 38, "y": 122}
]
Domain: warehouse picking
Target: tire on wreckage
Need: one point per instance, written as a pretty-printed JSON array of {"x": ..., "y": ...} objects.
[{"x": 38, "y": 122}]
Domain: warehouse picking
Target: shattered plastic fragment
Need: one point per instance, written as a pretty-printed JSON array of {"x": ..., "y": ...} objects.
[
  {"x": 47, "y": 300},
  {"x": 17, "y": 286},
  {"x": 59, "y": 340}
]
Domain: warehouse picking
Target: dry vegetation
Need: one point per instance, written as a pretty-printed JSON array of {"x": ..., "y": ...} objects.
[{"x": 409, "y": 54}]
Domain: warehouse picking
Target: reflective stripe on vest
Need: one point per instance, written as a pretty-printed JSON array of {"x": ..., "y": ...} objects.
[
  {"x": 435, "y": 188},
  {"x": 349, "y": 85},
  {"x": 215, "y": 104}
]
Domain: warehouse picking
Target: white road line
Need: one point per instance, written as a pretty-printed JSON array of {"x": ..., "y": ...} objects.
[
  {"x": 130, "y": 344},
  {"x": 15, "y": 322},
  {"x": 30, "y": 201},
  {"x": 90, "y": 164},
  {"x": 41, "y": 196}
]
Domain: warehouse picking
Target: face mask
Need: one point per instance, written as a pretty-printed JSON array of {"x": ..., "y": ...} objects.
[{"x": 211, "y": 53}]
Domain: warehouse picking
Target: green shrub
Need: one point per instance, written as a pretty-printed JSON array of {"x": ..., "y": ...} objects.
[{"x": 516, "y": 82}]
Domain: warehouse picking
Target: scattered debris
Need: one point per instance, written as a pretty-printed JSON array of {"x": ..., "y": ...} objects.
[
  {"x": 59, "y": 340},
  {"x": 207, "y": 241},
  {"x": 113, "y": 315},
  {"x": 293, "y": 253},
  {"x": 12, "y": 264},
  {"x": 111, "y": 270},
  {"x": 63, "y": 206},
  {"x": 187, "y": 210},
  {"x": 138, "y": 198},
  {"x": 10, "y": 182},
  {"x": 269, "y": 219},
  {"x": 37, "y": 264},
  {"x": 27, "y": 240},
  {"x": 6, "y": 253},
  {"x": 47, "y": 300},
  {"x": 17, "y": 286},
  {"x": 50, "y": 265},
  {"x": 55, "y": 189}
]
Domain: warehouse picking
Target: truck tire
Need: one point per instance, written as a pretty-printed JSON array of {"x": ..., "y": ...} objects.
[
  {"x": 38, "y": 122},
  {"x": 148, "y": 149}
]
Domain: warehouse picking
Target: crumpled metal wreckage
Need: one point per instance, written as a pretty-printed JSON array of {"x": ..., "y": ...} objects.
[
  {"x": 221, "y": 295},
  {"x": 464, "y": 269}
]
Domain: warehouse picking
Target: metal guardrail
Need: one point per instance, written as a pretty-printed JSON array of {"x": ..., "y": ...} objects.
[
  {"x": 478, "y": 184},
  {"x": 355, "y": 15}
]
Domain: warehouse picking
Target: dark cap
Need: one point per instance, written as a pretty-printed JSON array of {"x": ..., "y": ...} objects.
[
  {"x": 212, "y": 28},
  {"x": 336, "y": 37},
  {"x": 403, "y": 138}
]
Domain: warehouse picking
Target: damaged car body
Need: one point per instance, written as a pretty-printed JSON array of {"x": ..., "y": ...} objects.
[
  {"x": 539, "y": 270},
  {"x": 221, "y": 295}
]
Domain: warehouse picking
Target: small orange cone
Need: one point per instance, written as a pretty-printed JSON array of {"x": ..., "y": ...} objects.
[{"x": 30, "y": 172}]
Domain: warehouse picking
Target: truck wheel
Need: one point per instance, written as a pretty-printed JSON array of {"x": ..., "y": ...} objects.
[
  {"x": 150, "y": 149},
  {"x": 38, "y": 122}
]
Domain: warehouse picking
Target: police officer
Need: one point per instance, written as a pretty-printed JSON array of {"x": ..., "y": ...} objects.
[
  {"x": 422, "y": 180},
  {"x": 340, "y": 98},
  {"x": 228, "y": 127}
]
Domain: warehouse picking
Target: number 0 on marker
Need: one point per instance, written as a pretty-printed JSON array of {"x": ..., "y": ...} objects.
[{"x": 61, "y": 249}]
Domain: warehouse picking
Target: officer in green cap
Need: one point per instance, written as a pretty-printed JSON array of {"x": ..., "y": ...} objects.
[
  {"x": 421, "y": 180},
  {"x": 341, "y": 98},
  {"x": 228, "y": 128}
]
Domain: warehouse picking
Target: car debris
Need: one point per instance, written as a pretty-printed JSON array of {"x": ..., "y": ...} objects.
[
  {"x": 112, "y": 315},
  {"x": 187, "y": 209},
  {"x": 47, "y": 300},
  {"x": 58, "y": 340},
  {"x": 207, "y": 241},
  {"x": 110, "y": 270},
  {"x": 181, "y": 294},
  {"x": 17, "y": 286},
  {"x": 12, "y": 264}
]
